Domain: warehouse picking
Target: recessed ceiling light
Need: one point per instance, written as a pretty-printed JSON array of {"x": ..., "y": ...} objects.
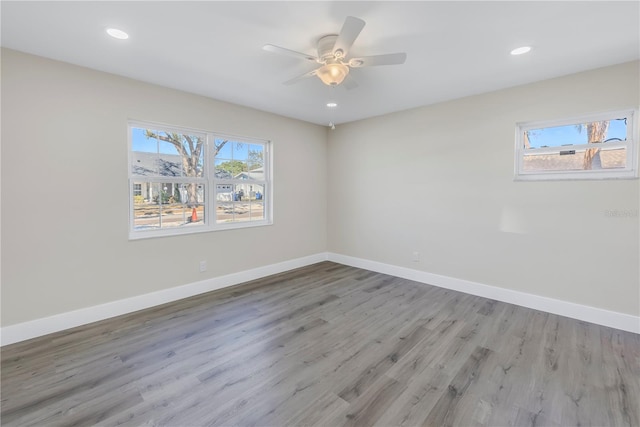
[
  {"x": 117, "y": 34},
  {"x": 520, "y": 50},
  {"x": 332, "y": 104}
]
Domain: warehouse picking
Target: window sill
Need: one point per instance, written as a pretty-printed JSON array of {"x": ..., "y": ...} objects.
[
  {"x": 577, "y": 176},
  {"x": 152, "y": 234}
]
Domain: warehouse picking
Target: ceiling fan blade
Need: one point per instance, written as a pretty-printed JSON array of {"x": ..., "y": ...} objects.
[
  {"x": 370, "y": 61},
  {"x": 302, "y": 77},
  {"x": 289, "y": 52},
  {"x": 350, "y": 31},
  {"x": 349, "y": 83}
]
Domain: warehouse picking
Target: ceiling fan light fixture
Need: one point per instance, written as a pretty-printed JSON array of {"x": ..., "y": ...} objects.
[
  {"x": 333, "y": 56},
  {"x": 332, "y": 74}
]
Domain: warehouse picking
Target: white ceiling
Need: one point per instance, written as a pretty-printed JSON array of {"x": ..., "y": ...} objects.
[{"x": 213, "y": 48}]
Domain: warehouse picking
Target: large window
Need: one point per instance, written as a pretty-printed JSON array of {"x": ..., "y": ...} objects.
[
  {"x": 185, "y": 181},
  {"x": 597, "y": 146}
]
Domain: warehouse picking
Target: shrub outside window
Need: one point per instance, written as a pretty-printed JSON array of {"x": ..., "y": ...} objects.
[
  {"x": 185, "y": 181},
  {"x": 596, "y": 146}
]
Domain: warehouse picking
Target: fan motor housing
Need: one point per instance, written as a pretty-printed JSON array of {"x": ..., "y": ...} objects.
[{"x": 325, "y": 46}]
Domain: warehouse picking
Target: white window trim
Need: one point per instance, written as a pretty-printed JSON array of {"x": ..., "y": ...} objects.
[
  {"x": 209, "y": 180},
  {"x": 267, "y": 182},
  {"x": 630, "y": 172}
]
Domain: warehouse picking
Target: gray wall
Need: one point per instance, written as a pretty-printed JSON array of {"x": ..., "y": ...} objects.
[
  {"x": 439, "y": 180},
  {"x": 65, "y": 193}
]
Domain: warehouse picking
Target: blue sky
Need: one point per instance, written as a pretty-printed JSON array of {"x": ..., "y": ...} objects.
[
  {"x": 147, "y": 145},
  {"x": 569, "y": 135},
  {"x": 550, "y": 137},
  {"x": 236, "y": 150}
]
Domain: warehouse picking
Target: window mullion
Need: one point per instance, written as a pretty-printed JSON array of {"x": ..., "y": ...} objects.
[{"x": 581, "y": 147}]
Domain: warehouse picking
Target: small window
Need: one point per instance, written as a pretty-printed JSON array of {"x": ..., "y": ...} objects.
[
  {"x": 185, "y": 181},
  {"x": 598, "y": 146}
]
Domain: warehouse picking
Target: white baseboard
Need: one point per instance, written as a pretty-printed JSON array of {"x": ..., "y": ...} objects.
[
  {"x": 39, "y": 327},
  {"x": 35, "y": 328},
  {"x": 625, "y": 322}
]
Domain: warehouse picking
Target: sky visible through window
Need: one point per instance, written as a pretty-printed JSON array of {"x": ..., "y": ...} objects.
[
  {"x": 231, "y": 150},
  {"x": 571, "y": 135}
]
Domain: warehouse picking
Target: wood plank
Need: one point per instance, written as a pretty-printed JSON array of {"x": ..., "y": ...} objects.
[{"x": 325, "y": 345}]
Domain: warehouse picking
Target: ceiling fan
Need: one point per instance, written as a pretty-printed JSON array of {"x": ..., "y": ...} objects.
[{"x": 332, "y": 55}]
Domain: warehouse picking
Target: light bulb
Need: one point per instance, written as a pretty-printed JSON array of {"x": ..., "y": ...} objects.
[{"x": 333, "y": 73}]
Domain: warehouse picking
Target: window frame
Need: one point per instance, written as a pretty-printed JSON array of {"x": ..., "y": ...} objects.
[
  {"x": 631, "y": 145},
  {"x": 266, "y": 183},
  {"x": 208, "y": 179}
]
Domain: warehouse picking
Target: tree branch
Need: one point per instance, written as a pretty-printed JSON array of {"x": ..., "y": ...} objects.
[
  {"x": 170, "y": 139},
  {"x": 190, "y": 141},
  {"x": 219, "y": 147}
]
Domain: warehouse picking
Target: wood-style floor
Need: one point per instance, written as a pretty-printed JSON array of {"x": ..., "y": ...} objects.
[{"x": 327, "y": 345}]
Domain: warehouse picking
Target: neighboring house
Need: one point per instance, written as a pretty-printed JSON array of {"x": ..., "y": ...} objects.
[
  {"x": 605, "y": 159},
  {"x": 252, "y": 191},
  {"x": 167, "y": 165},
  {"x": 150, "y": 165}
]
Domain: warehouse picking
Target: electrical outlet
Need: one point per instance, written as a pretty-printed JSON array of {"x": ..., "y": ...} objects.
[
  {"x": 415, "y": 256},
  {"x": 203, "y": 266}
]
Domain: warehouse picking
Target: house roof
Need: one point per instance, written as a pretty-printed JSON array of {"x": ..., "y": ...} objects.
[
  {"x": 254, "y": 174},
  {"x": 167, "y": 165},
  {"x": 151, "y": 164}
]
